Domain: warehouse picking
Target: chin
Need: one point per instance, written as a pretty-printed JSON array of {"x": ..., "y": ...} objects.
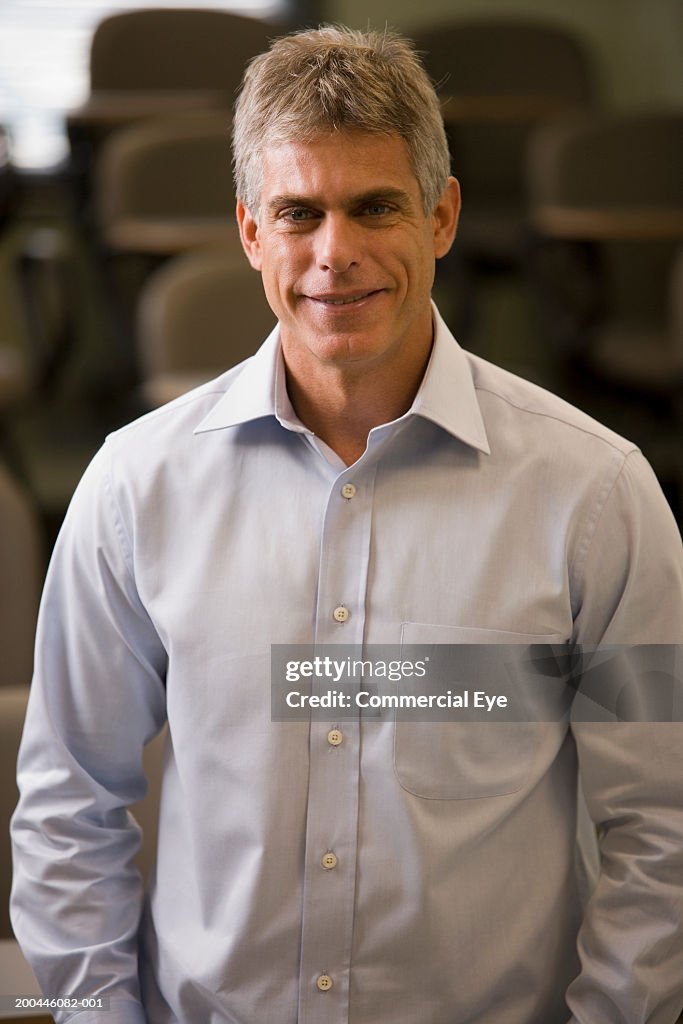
[{"x": 345, "y": 348}]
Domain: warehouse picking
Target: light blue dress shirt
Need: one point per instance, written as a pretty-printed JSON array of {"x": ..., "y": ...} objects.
[{"x": 219, "y": 525}]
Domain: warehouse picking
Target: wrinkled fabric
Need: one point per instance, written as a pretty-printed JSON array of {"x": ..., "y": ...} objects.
[{"x": 491, "y": 512}]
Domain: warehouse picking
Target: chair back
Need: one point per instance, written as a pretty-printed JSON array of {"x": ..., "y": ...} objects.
[
  {"x": 21, "y": 575},
  {"x": 632, "y": 160},
  {"x": 199, "y": 314},
  {"x": 607, "y": 190},
  {"x": 175, "y": 48},
  {"x": 498, "y": 77},
  {"x": 503, "y": 57},
  {"x": 169, "y": 176}
]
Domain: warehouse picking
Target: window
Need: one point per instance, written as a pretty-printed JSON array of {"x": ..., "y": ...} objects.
[{"x": 44, "y": 46}]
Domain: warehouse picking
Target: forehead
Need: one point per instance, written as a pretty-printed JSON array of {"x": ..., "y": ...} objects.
[{"x": 338, "y": 161}]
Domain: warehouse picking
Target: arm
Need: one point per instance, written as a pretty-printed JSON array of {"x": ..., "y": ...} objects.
[
  {"x": 631, "y": 940},
  {"x": 97, "y": 697}
]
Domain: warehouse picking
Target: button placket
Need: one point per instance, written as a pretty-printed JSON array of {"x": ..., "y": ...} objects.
[
  {"x": 332, "y": 815},
  {"x": 329, "y": 872}
]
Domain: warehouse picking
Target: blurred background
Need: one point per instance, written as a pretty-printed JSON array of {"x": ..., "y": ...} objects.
[{"x": 122, "y": 283}]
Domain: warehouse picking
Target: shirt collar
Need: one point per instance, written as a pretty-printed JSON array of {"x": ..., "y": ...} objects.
[
  {"x": 251, "y": 393},
  {"x": 446, "y": 395}
]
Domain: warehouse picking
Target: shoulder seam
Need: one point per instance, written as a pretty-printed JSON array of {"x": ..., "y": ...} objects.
[{"x": 629, "y": 448}]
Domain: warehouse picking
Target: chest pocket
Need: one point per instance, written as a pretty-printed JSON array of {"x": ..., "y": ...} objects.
[{"x": 464, "y": 760}]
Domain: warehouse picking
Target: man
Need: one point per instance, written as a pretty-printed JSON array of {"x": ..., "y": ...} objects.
[{"x": 361, "y": 480}]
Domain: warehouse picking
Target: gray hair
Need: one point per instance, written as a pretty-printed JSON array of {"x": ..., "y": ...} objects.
[{"x": 335, "y": 79}]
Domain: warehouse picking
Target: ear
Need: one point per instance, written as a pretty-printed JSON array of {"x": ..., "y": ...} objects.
[
  {"x": 445, "y": 218},
  {"x": 249, "y": 235}
]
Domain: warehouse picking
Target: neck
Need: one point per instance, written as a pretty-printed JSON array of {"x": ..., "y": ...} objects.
[{"x": 341, "y": 405}]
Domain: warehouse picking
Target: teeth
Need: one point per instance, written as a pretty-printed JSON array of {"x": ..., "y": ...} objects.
[{"x": 345, "y": 302}]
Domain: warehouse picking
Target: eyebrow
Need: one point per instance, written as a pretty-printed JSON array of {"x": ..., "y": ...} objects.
[{"x": 396, "y": 195}]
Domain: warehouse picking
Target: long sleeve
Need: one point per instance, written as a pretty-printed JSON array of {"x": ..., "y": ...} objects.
[
  {"x": 97, "y": 697},
  {"x": 631, "y": 941}
]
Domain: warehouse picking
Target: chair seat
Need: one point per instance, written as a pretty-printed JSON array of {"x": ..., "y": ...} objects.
[{"x": 161, "y": 236}]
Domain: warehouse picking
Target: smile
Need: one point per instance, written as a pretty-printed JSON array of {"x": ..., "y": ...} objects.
[{"x": 343, "y": 301}]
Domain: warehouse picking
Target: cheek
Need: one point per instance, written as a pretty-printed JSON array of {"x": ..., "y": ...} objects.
[
  {"x": 273, "y": 295},
  {"x": 424, "y": 268},
  {"x": 279, "y": 279},
  {"x": 283, "y": 268}
]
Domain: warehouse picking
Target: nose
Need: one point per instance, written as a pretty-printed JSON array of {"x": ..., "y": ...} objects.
[{"x": 338, "y": 243}]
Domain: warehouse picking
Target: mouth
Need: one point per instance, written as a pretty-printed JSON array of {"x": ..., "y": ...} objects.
[{"x": 343, "y": 300}]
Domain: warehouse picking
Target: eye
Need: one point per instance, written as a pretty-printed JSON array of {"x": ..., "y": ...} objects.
[
  {"x": 377, "y": 209},
  {"x": 298, "y": 214}
]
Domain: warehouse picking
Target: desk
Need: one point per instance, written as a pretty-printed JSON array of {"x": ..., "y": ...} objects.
[
  {"x": 159, "y": 236},
  {"x": 497, "y": 109},
  {"x": 604, "y": 224},
  {"x": 112, "y": 109}
]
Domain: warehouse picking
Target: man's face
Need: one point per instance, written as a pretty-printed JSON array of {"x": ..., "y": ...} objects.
[{"x": 345, "y": 249}]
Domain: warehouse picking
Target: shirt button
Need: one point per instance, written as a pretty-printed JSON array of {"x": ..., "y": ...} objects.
[
  {"x": 348, "y": 491},
  {"x": 324, "y": 983},
  {"x": 341, "y": 614},
  {"x": 329, "y": 860},
  {"x": 334, "y": 737}
]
